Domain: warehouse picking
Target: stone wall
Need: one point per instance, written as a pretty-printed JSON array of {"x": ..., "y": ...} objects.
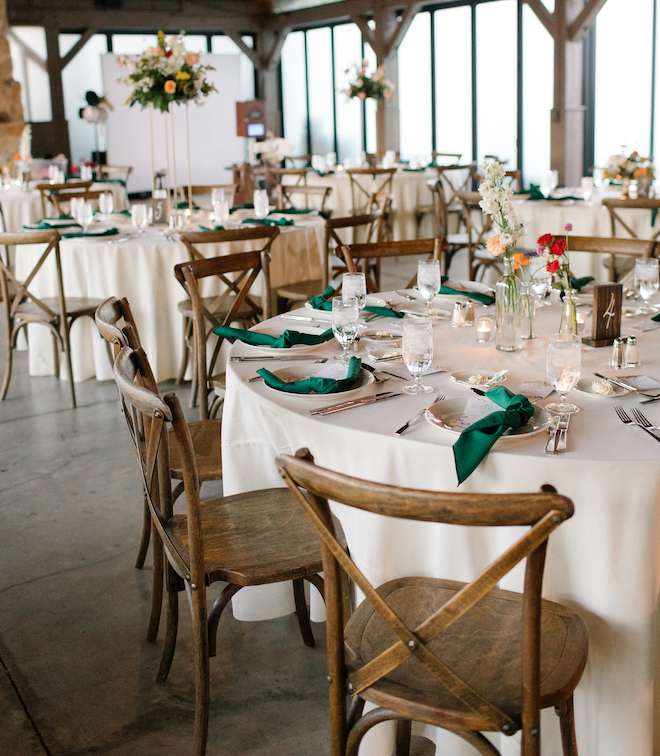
[{"x": 11, "y": 110}]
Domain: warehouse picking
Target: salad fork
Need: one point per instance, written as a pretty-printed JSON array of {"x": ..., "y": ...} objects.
[
  {"x": 625, "y": 419},
  {"x": 418, "y": 416},
  {"x": 642, "y": 420}
]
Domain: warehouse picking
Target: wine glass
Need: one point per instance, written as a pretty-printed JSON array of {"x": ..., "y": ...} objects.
[
  {"x": 587, "y": 185},
  {"x": 354, "y": 285},
  {"x": 85, "y": 215},
  {"x": 139, "y": 217},
  {"x": 217, "y": 195},
  {"x": 106, "y": 204},
  {"x": 542, "y": 286},
  {"x": 417, "y": 352},
  {"x": 221, "y": 211},
  {"x": 260, "y": 203},
  {"x": 428, "y": 282},
  {"x": 331, "y": 159},
  {"x": 74, "y": 204},
  {"x": 345, "y": 319},
  {"x": 646, "y": 280},
  {"x": 563, "y": 369}
]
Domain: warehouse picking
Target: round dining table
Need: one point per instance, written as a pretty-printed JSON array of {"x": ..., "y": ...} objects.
[{"x": 603, "y": 563}]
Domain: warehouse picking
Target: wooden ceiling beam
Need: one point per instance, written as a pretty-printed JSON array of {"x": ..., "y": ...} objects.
[
  {"x": 84, "y": 39},
  {"x": 585, "y": 20}
]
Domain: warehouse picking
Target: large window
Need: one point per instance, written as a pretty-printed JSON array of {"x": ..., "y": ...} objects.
[
  {"x": 27, "y": 45},
  {"x": 415, "y": 101}
]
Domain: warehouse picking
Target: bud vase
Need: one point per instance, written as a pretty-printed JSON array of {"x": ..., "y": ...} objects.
[
  {"x": 509, "y": 309},
  {"x": 528, "y": 309},
  {"x": 568, "y": 322}
]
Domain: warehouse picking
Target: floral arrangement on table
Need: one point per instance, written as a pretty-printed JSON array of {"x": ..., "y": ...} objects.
[
  {"x": 166, "y": 74},
  {"x": 496, "y": 201},
  {"x": 555, "y": 252},
  {"x": 633, "y": 166},
  {"x": 366, "y": 85}
]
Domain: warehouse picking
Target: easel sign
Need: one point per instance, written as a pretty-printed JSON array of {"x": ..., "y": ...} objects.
[{"x": 606, "y": 315}]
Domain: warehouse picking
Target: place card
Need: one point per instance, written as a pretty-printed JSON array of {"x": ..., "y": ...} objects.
[
  {"x": 641, "y": 382},
  {"x": 606, "y": 315},
  {"x": 336, "y": 370},
  {"x": 535, "y": 390},
  {"x": 477, "y": 408}
]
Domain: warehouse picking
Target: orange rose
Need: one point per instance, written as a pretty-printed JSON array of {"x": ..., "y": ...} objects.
[
  {"x": 520, "y": 259},
  {"x": 191, "y": 59},
  {"x": 170, "y": 86}
]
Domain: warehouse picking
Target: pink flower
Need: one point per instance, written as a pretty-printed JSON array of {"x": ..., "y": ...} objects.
[
  {"x": 156, "y": 51},
  {"x": 191, "y": 59},
  {"x": 361, "y": 95},
  {"x": 540, "y": 250},
  {"x": 170, "y": 86},
  {"x": 568, "y": 227}
]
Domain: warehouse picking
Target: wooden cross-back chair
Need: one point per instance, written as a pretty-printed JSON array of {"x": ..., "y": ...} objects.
[
  {"x": 23, "y": 307},
  {"x": 62, "y": 201},
  {"x": 365, "y": 183},
  {"x": 245, "y": 179},
  {"x": 454, "y": 178},
  {"x": 253, "y": 538},
  {"x": 237, "y": 273},
  {"x": 228, "y": 189},
  {"x": 59, "y": 192},
  {"x": 614, "y": 207},
  {"x": 117, "y": 325},
  {"x": 366, "y": 258},
  {"x": 303, "y": 197},
  {"x": 276, "y": 176},
  {"x": 467, "y": 657},
  {"x": 368, "y": 227},
  {"x": 628, "y": 249},
  {"x": 293, "y": 159},
  {"x": 479, "y": 227},
  {"x": 249, "y": 312},
  {"x": 454, "y": 157},
  {"x": 513, "y": 178},
  {"x": 121, "y": 172}
]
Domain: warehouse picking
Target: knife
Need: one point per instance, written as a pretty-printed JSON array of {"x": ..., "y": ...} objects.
[
  {"x": 616, "y": 382},
  {"x": 355, "y": 403},
  {"x": 306, "y": 318},
  {"x": 553, "y": 430},
  {"x": 372, "y": 369},
  {"x": 288, "y": 358},
  {"x": 563, "y": 432}
]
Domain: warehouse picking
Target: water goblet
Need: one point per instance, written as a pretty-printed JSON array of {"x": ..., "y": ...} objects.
[
  {"x": 563, "y": 369},
  {"x": 417, "y": 353},
  {"x": 345, "y": 324},
  {"x": 542, "y": 286},
  {"x": 260, "y": 203},
  {"x": 221, "y": 211},
  {"x": 106, "y": 204},
  {"x": 646, "y": 281},
  {"x": 587, "y": 185},
  {"x": 331, "y": 159},
  {"x": 428, "y": 282},
  {"x": 354, "y": 285},
  {"x": 139, "y": 217},
  {"x": 85, "y": 215},
  {"x": 217, "y": 195}
]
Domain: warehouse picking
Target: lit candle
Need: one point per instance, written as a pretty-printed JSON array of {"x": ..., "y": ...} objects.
[
  {"x": 579, "y": 317},
  {"x": 484, "y": 329}
]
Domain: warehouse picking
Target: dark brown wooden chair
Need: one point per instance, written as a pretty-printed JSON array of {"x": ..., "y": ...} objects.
[
  {"x": 621, "y": 252},
  {"x": 367, "y": 227},
  {"x": 197, "y": 190},
  {"x": 23, "y": 307},
  {"x": 236, "y": 273},
  {"x": 614, "y": 207},
  {"x": 479, "y": 227},
  {"x": 453, "y": 178},
  {"x": 121, "y": 172},
  {"x": 365, "y": 258},
  {"x": 467, "y": 657},
  {"x": 56, "y": 193},
  {"x": 253, "y": 538},
  {"x": 250, "y": 311},
  {"x": 303, "y": 197},
  {"x": 292, "y": 176},
  {"x": 365, "y": 182}
]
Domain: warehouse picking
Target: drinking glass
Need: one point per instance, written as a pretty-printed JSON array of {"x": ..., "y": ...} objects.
[
  {"x": 74, "y": 204},
  {"x": 417, "y": 353},
  {"x": 428, "y": 281},
  {"x": 646, "y": 280},
  {"x": 331, "y": 159},
  {"x": 587, "y": 185},
  {"x": 542, "y": 286},
  {"x": 354, "y": 285},
  {"x": 106, "y": 203},
  {"x": 217, "y": 195},
  {"x": 260, "y": 203},
  {"x": 345, "y": 319},
  {"x": 139, "y": 217},
  {"x": 221, "y": 211},
  {"x": 85, "y": 215},
  {"x": 563, "y": 369}
]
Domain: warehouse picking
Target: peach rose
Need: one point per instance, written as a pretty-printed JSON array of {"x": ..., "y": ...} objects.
[
  {"x": 157, "y": 51},
  {"x": 362, "y": 95},
  {"x": 191, "y": 59},
  {"x": 170, "y": 86},
  {"x": 494, "y": 247}
]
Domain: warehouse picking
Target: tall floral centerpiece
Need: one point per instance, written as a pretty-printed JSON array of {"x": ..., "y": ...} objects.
[
  {"x": 496, "y": 202},
  {"x": 371, "y": 86},
  {"x": 165, "y": 75}
]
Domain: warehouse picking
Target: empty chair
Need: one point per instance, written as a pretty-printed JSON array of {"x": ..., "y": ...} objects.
[
  {"x": 56, "y": 193},
  {"x": 249, "y": 539},
  {"x": 446, "y": 158},
  {"x": 615, "y": 206},
  {"x": 467, "y": 657},
  {"x": 453, "y": 178},
  {"x": 23, "y": 307},
  {"x": 479, "y": 226},
  {"x": 365, "y": 182},
  {"x": 513, "y": 178},
  {"x": 114, "y": 172},
  {"x": 621, "y": 253},
  {"x": 303, "y": 197}
]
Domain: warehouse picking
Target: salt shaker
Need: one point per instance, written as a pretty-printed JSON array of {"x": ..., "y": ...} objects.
[
  {"x": 631, "y": 355},
  {"x": 617, "y": 360},
  {"x": 469, "y": 313},
  {"x": 457, "y": 319}
]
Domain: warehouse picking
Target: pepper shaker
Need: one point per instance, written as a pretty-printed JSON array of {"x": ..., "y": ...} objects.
[
  {"x": 631, "y": 354},
  {"x": 469, "y": 313},
  {"x": 457, "y": 319},
  {"x": 617, "y": 360}
]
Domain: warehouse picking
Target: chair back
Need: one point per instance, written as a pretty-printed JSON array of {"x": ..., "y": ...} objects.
[
  {"x": 245, "y": 179},
  {"x": 293, "y": 159},
  {"x": 448, "y": 158},
  {"x": 456, "y": 178},
  {"x": 540, "y": 513},
  {"x": 121, "y": 172},
  {"x": 277, "y": 175},
  {"x": 614, "y": 207},
  {"x": 613, "y": 248},
  {"x": 361, "y": 257},
  {"x": 62, "y": 198},
  {"x": 236, "y": 273},
  {"x": 116, "y": 324},
  {"x": 513, "y": 178},
  {"x": 369, "y": 223},
  {"x": 228, "y": 189},
  {"x": 365, "y": 182},
  {"x": 479, "y": 227},
  {"x": 306, "y": 197},
  {"x": 51, "y": 192}
]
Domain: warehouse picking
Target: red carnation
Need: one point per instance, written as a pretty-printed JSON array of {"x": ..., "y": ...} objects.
[
  {"x": 545, "y": 240},
  {"x": 552, "y": 267},
  {"x": 168, "y": 53},
  {"x": 558, "y": 247}
]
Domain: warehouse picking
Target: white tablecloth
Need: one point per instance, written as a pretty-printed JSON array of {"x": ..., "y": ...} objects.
[
  {"x": 142, "y": 270},
  {"x": 604, "y": 562}
]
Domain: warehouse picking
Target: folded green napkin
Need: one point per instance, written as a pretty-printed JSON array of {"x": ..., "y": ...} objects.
[
  {"x": 579, "y": 283},
  {"x": 475, "y": 442},
  {"x": 323, "y": 302},
  {"x": 325, "y": 173},
  {"x": 286, "y": 340},
  {"x": 185, "y": 205},
  {"x": 44, "y": 225},
  {"x": 656, "y": 318},
  {"x": 244, "y": 206},
  {"x": 122, "y": 212},
  {"x": 486, "y": 299},
  {"x": 215, "y": 228},
  {"x": 654, "y": 215},
  {"x": 82, "y": 234},
  {"x": 315, "y": 383},
  {"x": 534, "y": 192},
  {"x": 270, "y": 221}
]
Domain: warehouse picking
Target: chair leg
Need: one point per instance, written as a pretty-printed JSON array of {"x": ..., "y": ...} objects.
[
  {"x": 157, "y": 588},
  {"x": 202, "y": 682},
  {"x": 216, "y": 612},
  {"x": 217, "y": 403},
  {"x": 66, "y": 345},
  {"x": 567, "y": 726},
  {"x": 302, "y": 612},
  {"x": 186, "y": 348},
  {"x": 173, "y": 585},
  {"x": 56, "y": 356},
  {"x": 403, "y": 734},
  {"x": 145, "y": 537},
  {"x": 8, "y": 367}
]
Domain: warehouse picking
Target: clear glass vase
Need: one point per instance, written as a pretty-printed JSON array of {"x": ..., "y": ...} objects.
[
  {"x": 528, "y": 298},
  {"x": 568, "y": 322},
  {"x": 509, "y": 310}
]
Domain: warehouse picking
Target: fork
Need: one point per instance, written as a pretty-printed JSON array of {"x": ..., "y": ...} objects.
[
  {"x": 642, "y": 420},
  {"x": 418, "y": 416},
  {"x": 625, "y": 419}
]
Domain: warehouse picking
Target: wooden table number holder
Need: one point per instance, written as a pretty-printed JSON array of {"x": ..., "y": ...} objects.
[{"x": 606, "y": 315}]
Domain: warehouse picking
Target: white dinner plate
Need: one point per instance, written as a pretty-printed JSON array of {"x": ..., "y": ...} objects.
[
  {"x": 448, "y": 413},
  {"x": 585, "y": 385},
  {"x": 278, "y": 330},
  {"x": 384, "y": 335},
  {"x": 462, "y": 377},
  {"x": 300, "y": 372}
]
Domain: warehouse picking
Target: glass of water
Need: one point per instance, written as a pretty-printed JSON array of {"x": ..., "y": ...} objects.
[
  {"x": 354, "y": 285},
  {"x": 646, "y": 281},
  {"x": 563, "y": 366},
  {"x": 139, "y": 217},
  {"x": 345, "y": 320},
  {"x": 85, "y": 215},
  {"x": 417, "y": 352},
  {"x": 106, "y": 203},
  {"x": 260, "y": 203},
  {"x": 428, "y": 282},
  {"x": 542, "y": 286},
  {"x": 221, "y": 211}
]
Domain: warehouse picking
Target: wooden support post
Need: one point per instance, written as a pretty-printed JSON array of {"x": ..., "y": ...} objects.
[{"x": 60, "y": 130}]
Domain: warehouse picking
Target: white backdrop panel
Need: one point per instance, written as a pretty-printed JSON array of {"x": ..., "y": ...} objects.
[{"x": 213, "y": 141}]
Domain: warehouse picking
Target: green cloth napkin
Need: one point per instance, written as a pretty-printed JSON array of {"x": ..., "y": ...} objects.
[
  {"x": 656, "y": 318},
  {"x": 185, "y": 205},
  {"x": 110, "y": 181},
  {"x": 270, "y": 221},
  {"x": 82, "y": 234},
  {"x": 486, "y": 299},
  {"x": 215, "y": 228},
  {"x": 315, "y": 383},
  {"x": 475, "y": 442},
  {"x": 44, "y": 225},
  {"x": 534, "y": 192},
  {"x": 654, "y": 215},
  {"x": 322, "y": 302},
  {"x": 244, "y": 206},
  {"x": 579, "y": 283},
  {"x": 286, "y": 340}
]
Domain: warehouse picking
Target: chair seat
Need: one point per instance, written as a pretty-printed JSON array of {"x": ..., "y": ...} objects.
[
  {"x": 301, "y": 291},
  {"x": 218, "y": 382},
  {"x": 493, "y": 627},
  {"x": 75, "y": 307},
  {"x": 254, "y": 538},
  {"x": 244, "y": 311},
  {"x": 206, "y": 437}
]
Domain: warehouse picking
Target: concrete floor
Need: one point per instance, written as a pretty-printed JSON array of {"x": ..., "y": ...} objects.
[{"x": 76, "y": 673}]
